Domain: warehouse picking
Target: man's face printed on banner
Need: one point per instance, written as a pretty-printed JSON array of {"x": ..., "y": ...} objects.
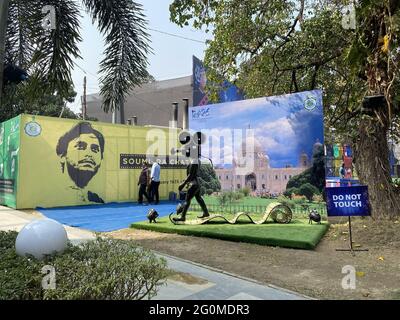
[{"x": 83, "y": 153}]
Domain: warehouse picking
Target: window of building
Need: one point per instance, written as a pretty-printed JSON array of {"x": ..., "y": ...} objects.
[
  {"x": 276, "y": 177},
  {"x": 285, "y": 177},
  {"x": 227, "y": 177},
  {"x": 238, "y": 185},
  {"x": 263, "y": 186}
]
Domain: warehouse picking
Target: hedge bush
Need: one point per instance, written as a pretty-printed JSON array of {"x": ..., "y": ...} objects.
[{"x": 104, "y": 268}]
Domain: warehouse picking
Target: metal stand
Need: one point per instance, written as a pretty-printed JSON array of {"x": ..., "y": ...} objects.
[{"x": 351, "y": 242}]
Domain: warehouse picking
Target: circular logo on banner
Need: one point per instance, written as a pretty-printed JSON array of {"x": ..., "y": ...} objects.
[
  {"x": 33, "y": 129},
  {"x": 310, "y": 103}
]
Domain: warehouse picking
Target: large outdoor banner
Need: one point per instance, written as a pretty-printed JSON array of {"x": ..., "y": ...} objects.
[
  {"x": 228, "y": 92},
  {"x": 261, "y": 143},
  {"x": 68, "y": 162},
  {"x": 9, "y": 154}
]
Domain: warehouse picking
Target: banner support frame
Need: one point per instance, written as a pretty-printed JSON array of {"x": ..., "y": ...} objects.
[{"x": 351, "y": 242}]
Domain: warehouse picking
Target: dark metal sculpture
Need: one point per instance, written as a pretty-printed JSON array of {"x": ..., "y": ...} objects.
[
  {"x": 278, "y": 212},
  {"x": 192, "y": 150},
  {"x": 192, "y": 192}
]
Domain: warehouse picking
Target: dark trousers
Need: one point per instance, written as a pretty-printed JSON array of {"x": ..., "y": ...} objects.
[
  {"x": 143, "y": 192},
  {"x": 154, "y": 191},
  {"x": 194, "y": 192}
]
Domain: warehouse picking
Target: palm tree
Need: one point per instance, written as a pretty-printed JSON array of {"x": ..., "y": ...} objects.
[{"x": 49, "y": 54}]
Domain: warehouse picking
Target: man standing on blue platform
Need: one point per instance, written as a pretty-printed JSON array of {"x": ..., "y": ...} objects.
[{"x": 155, "y": 182}]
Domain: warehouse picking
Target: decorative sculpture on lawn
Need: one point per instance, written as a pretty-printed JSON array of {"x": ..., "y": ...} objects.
[
  {"x": 192, "y": 145},
  {"x": 279, "y": 213}
]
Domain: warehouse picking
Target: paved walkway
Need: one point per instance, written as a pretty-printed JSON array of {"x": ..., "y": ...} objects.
[
  {"x": 191, "y": 281},
  {"x": 11, "y": 219},
  {"x": 198, "y": 282}
]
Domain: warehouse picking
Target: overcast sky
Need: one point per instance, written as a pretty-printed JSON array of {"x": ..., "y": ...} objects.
[{"x": 172, "y": 56}]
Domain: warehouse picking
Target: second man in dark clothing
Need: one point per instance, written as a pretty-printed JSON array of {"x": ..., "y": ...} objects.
[{"x": 143, "y": 183}]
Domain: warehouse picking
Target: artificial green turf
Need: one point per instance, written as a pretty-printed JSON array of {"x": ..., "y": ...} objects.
[{"x": 297, "y": 234}]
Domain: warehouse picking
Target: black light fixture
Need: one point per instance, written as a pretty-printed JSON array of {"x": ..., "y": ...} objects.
[{"x": 372, "y": 103}]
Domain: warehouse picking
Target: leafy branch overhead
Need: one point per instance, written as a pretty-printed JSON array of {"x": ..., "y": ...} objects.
[
  {"x": 49, "y": 54},
  {"x": 124, "y": 65},
  {"x": 277, "y": 46}
]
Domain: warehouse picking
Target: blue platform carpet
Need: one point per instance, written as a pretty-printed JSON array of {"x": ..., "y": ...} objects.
[{"x": 105, "y": 217}]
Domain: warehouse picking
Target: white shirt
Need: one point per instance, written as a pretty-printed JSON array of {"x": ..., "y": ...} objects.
[{"x": 155, "y": 172}]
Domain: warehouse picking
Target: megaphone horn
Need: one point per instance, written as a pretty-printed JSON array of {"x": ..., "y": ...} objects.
[{"x": 184, "y": 137}]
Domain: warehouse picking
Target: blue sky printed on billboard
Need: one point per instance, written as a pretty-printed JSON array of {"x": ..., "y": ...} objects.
[{"x": 284, "y": 126}]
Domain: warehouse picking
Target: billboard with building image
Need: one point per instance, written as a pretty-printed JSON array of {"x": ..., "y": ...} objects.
[{"x": 261, "y": 143}]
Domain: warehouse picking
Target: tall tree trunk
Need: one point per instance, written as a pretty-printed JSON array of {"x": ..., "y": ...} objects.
[
  {"x": 373, "y": 167},
  {"x": 371, "y": 148},
  {"x": 4, "y": 4}
]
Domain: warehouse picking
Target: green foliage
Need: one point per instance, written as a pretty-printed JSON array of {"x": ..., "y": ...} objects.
[
  {"x": 308, "y": 190},
  {"x": 245, "y": 191},
  {"x": 290, "y": 191},
  {"x": 236, "y": 196},
  {"x": 227, "y": 197},
  {"x": 314, "y": 175},
  {"x": 300, "y": 200},
  {"x": 224, "y": 197},
  {"x": 99, "y": 269},
  {"x": 123, "y": 25},
  {"x": 278, "y": 47},
  {"x": 317, "y": 198},
  {"x": 286, "y": 201},
  {"x": 27, "y": 98},
  {"x": 296, "y": 181},
  {"x": 20, "y": 278},
  {"x": 48, "y": 55},
  {"x": 208, "y": 179},
  {"x": 107, "y": 269}
]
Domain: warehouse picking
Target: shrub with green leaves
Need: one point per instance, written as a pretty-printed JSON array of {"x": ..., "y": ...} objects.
[
  {"x": 245, "y": 191},
  {"x": 20, "y": 278},
  {"x": 107, "y": 269},
  {"x": 286, "y": 202},
  {"x": 100, "y": 269}
]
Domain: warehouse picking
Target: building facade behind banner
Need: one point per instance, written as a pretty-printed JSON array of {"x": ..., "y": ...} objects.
[
  {"x": 51, "y": 162},
  {"x": 150, "y": 103},
  {"x": 263, "y": 178}
]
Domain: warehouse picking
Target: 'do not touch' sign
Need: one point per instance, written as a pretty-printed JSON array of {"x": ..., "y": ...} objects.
[{"x": 347, "y": 201}]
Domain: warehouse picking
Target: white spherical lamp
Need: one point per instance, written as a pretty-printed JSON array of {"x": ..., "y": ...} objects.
[{"x": 41, "y": 237}]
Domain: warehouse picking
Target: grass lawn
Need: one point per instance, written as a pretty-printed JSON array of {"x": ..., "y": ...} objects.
[{"x": 297, "y": 234}]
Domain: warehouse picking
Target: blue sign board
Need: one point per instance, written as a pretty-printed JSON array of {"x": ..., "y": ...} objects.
[{"x": 347, "y": 201}]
